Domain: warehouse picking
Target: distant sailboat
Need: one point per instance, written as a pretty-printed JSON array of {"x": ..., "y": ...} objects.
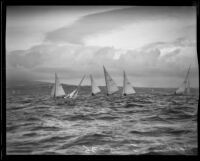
[
  {"x": 57, "y": 90},
  {"x": 184, "y": 89},
  {"x": 94, "y": 88},
  {"x": 74, "y": 93},
  {"x": 127, "y": 87},
  {"x": 110, "y": 84}
]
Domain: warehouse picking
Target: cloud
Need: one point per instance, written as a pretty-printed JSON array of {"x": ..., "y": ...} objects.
[
  {"x": 177, "y": 43},
  {"x": 172, "y": 57},
  {"x": 26, "y": 25},
  {"x": 105, "y": 22},
  {"x": 168, "y": 32},
  {"x": 72, "y": 61}
]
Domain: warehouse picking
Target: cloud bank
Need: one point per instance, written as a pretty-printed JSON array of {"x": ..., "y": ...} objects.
[
  {"x": 166, "y": 47},
  {"x": 109, "y": 21},
  {"x": 162, "y": 59}
]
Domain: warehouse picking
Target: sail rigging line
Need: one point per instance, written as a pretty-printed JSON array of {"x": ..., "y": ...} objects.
[
  {"x": 74, "y": 93},
  {"x": 81, "y": 82},
  {"x": 105, "y": 79},
  {"x": 123, "y": 91},
  {"x": 77, "y": 90},
  {"x": 185, "y": 86},
  {"x": 54, "y": 88},
  {"x": 186, "y": 77}
]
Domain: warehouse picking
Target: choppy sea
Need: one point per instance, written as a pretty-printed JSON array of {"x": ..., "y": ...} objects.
[{"x": 152, "y": 121}]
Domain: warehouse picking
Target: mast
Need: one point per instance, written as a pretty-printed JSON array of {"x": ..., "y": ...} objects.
[
  {"x": 188, "y": 86},
  {"x": 55, "y": 85},
  {"x": 186, "y": 77},
  {"x": 91, "y": 84},
  {"x": 188, "y": 81},
  {"x": 77, "y": 90},
  {"x": 123, "y": 92},
  {"x": 81, "y": 81},
  {"x": 105, "y": 79},
  {"x": 185, "y": 87},
  {"x": 94, "y": 88},
  {"x": 74, "y": 93},
  {"x": 53, "y": 91}
]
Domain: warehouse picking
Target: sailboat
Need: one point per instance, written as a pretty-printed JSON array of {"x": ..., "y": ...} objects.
[
  {"x": 184, "y": 89},
  {"x": 110, "y": 83},
  {"x": 127, "y": 87},
  {"x": 57, "y": 90},
  {"x": 74, "y": 93},
  {"x": 94, "y": 88}
]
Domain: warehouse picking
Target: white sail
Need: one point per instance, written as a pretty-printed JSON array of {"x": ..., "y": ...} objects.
[
  {"x": 57, "y": 89},
  {"x": 185, "y": 86},
  {"x": 94, "y": 88},
  {"x": 53, "y": 91},
  {"x": 127, "y": 87},
  {"x": 110, "y": 84},
  {"x": 181, "y": 89},
  {"x": 74, "y": 93}
]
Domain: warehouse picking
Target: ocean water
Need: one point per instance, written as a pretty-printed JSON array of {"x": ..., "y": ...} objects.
[{"x": 148, "y": 122}]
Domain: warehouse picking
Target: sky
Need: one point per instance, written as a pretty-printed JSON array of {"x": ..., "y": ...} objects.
[{"x": 154, "y": 45}]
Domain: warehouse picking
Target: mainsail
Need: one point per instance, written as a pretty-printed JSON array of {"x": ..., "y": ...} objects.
[
  {"x": 110, "y": 84},
  {"x": 185, "y": 86},
  {"x": 127, "y": 87},
  {"x": 94, "y": 88},
  {"x": 188, "y": 86},
  {"x": 74, "y": 93},
  {"x": 57, "y": 90}
]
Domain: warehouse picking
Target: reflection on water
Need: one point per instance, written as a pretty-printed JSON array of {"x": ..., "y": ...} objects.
[{"x": 149, "y": 122}]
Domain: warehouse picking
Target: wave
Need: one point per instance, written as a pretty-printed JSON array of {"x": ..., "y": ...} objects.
[{"x": 135, "y": 124}]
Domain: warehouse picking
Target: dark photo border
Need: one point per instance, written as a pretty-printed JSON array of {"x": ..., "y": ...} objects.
[{"x": 5, "y": 3}]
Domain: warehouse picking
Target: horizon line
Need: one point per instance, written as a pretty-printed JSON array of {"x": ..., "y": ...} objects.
[{"x": 99, "y": 85}]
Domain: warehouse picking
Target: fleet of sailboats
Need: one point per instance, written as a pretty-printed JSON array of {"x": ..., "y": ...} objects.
[
  {"x": 184, "y": 89},
  {"x": 111, "y": 86}
]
